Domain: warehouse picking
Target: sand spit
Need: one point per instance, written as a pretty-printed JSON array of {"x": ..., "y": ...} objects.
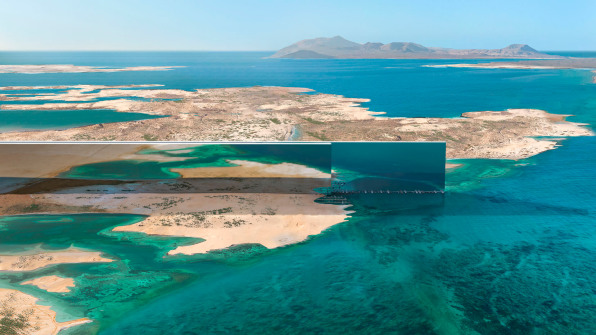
[
  {"x": 52, "y": 283},
  {"x": 38, "y": 260},
  {"x": 452, "y": 166},
  {"x": 544, "y": 64},
  {"x": 68, "y": 68},
  {"x": 496, "y": 65},
  {"x": 28, "y": 317},
  {"x": 281, "y": 113},
  {"x": 569, "y": 63},
  {"x": 248, "y": 169}
]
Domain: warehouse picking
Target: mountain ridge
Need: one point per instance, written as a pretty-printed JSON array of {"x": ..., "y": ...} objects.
[{"x": 339, "y": 47}]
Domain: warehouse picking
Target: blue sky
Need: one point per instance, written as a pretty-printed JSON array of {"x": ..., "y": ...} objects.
[{"x": 271, "y": 25}]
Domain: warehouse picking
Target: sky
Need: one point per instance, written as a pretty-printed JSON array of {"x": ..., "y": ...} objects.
[{"x": 249, "y": 25}]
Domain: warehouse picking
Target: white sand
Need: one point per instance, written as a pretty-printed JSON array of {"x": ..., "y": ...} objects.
[
  {"x": 38, "y": 260},
  {"x": 52, "y": 283},
  {"x": 248, "y": 169}
]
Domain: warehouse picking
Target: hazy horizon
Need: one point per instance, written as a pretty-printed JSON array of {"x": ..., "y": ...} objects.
[{"x": 268, "y": 25}]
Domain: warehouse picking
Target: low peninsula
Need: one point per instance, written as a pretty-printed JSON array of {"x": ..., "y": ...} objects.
[{"x": 288, "y": 114}]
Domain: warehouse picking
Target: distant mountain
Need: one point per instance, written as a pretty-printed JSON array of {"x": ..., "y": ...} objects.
[{"x": 339, "y": 47}]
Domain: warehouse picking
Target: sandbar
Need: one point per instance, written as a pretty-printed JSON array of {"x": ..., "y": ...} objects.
[
  {"x": 52, "y": 283},
  {"x": 249, "y": 169},
  {"x": 36, "y": 260}
]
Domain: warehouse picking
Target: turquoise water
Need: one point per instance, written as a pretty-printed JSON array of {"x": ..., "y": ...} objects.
[
  {"x": 509, "y": 249},
  {"x": 380, "y": 167},
  {"x": 513, "y": 255},
  {"x": 357, "y": 166},
  {"x": 16, "y": 120},
  {"x": 102, "y": 289}
]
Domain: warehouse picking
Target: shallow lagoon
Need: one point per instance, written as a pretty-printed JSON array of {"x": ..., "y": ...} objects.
[{"x": 16, "y": 120}]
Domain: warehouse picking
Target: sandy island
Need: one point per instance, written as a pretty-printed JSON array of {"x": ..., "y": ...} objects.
[
  {"x": 52, "y": 283},
  {"x": 282, "y": 113},
  {"x": 22, "y": 315},
  {"x": 36, "y": 260}
]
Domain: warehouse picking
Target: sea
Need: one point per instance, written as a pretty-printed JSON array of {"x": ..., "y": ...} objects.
[{"x": 510, "y": 248}]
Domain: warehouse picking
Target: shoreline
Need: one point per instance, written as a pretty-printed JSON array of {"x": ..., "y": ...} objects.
[
  {"x": 39, "y": 319},
  {"x": 257, "y": 114}
]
